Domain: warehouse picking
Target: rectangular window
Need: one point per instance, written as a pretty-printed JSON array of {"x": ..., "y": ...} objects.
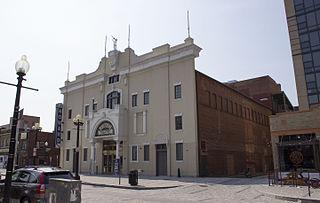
[
  {"x": 85, "y": 154},
  {"x": 134, "y": 153},
  {"x": 139, "y": 122},
  {"x": 134, "y": 100},
  {"x": 146, "y": 149},
  {"x": 177, "y": 91},
  {"x": 203, "y": 146},
  {"x": 68, "y": 135},
  {"x": 94, "y": 106},
  {"x": 113, "y": 79},
  {"x": 69, "y": 113},
  {"x": 230, "y": 107},
  {"x": 146, "y": 98},
  {"x": 214, "y": 101},
  {"x": 178, "y": 122},
  {"x": 68, "y": 155},
  {"x": 179, "y": 151},
  {"x": 86, "y": 110}
]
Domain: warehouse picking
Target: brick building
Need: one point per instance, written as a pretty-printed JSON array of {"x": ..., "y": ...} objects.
[
  {"x": 37, "y": 148},
  {"x": 233, "y": 131},
  {"x": 266, "y": 91}
]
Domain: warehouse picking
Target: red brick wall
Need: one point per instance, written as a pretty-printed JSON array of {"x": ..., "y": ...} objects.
[{"x": 233, "y": 130}]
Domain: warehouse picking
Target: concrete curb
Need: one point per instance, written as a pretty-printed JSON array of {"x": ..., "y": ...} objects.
[
  {"x": 289, "y": 198},
  {"x": 138, "y": 187}
]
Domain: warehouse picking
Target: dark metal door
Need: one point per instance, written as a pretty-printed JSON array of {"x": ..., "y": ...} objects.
[{"x": 161, "y": 161}]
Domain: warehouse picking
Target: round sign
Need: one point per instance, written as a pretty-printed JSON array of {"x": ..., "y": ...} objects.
[{"x": 296, "y": 157}]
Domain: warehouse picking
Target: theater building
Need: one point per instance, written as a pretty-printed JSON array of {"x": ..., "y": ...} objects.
[{"x": 156, "y": 113}]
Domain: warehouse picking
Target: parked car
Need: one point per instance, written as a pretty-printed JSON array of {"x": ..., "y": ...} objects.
[{"x": 29, "y": 183}]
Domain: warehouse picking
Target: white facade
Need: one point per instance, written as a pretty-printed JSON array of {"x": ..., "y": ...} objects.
[{"x": 138, "y": 109}]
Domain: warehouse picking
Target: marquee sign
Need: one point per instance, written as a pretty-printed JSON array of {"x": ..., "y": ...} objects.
[{"x": 58, "y": 124}]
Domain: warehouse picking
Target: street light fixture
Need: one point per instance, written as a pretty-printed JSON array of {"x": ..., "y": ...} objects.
[
  {"x": 77, "y": 121},
  {"x": 36, "y": 128},
  {"x": 22, "y": 67}
]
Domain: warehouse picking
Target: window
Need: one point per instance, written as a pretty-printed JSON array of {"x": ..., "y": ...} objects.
[
  {"x": 68, "y": 155},
  {"x": 134, "y": 153},
  {"x": 179, "y": 151},
  {"x": 113, "y": 99},
  {"x": 178, "y": 122},
  {"x": 310, "y": 78},
  {"x": 177, "y": 91},
  {"x": 313, "y": 99},
  {"x": 230, "y": 107},
  {"x": 23, "y": 177},
  {"x": 139, "y": 122},
  {"x": 134, "y": 100},
  {"x": 113, "y": 79},
  {"x": 85, "y": 154},
  {"x": 68, "y": 135},
  {"x": 225, "y": 105},
  {"x": 146, "y": 149},
  {"x": 69, "y": 113},
  {"x": 203, "y": 146},
  {"x": 86, "y": 110},
  {"x": 146, "y": 98},
  {"x": 94, "y": 106},
  {"x": 214, "y": 101}
]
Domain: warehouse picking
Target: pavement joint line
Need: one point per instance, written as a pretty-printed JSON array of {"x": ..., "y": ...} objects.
[
  {"x": 197, "y": 191},
  {"x": 243, "y": 189},
  {"x": 130, "y": 187}
]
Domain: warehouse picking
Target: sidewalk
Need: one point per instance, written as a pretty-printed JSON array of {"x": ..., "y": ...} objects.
[
  {"x": 113, "y": 181},
  {"x": 290, "y": 193}
]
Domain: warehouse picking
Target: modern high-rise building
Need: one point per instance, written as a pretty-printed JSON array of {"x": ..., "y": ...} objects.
[
  {"x": 303, "y": 17},
  {"x": 296, "y": 134}
]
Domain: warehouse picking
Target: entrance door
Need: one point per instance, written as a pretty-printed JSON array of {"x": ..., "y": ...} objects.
[
  {"x": 109, "y": 156},
  {"x": 161, "y": 162},
  {"x": 108, "y": 163}
]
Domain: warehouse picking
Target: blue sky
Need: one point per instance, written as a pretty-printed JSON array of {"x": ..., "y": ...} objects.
[{"x": 240, "y": 40}]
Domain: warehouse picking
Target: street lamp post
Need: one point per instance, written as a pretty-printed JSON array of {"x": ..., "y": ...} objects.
[
  {"x": 22, "y": 67},
  {"x": 36, "y": 128},
  {"x": 77, "y": 121}
]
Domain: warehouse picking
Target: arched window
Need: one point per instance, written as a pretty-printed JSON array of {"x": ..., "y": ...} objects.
[
  {"x": 113, "y": 98},
  {"x": 105, "y": 129}
]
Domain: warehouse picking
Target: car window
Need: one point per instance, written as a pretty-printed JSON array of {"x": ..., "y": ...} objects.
[
  {"x": 33, "y": 179},
  {"x": 59, "y": 174},
  {"x": 23, "y": 177},
  {"x": 14, "y": 177}
]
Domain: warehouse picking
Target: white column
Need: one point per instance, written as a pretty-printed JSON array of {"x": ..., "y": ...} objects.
[
  {"x": 144, "y": 121},
  {"x": 134, "y": 123},
  {"x": 92, "y": 158}
]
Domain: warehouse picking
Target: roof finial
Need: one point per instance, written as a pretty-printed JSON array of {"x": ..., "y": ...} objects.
[
  {"x": 68, "y": 71},
  {"x": 188, "y": 24},
  {"x": 105, "y": 47},
  {"x": 115, "y": 40},
  {"x": 129, "y": 37}
]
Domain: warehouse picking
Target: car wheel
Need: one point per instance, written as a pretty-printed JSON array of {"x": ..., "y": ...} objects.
[{"x": 25, "y": 200}]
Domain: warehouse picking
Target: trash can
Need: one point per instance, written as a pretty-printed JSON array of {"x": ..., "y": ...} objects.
[{"x": 133, "y": 177}]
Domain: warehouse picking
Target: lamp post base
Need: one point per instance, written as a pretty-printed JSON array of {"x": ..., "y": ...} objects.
[{"x": 77, "y": 177}]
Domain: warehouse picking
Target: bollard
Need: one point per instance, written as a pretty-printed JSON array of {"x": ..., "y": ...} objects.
[{"x": 179, "y": 174}]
